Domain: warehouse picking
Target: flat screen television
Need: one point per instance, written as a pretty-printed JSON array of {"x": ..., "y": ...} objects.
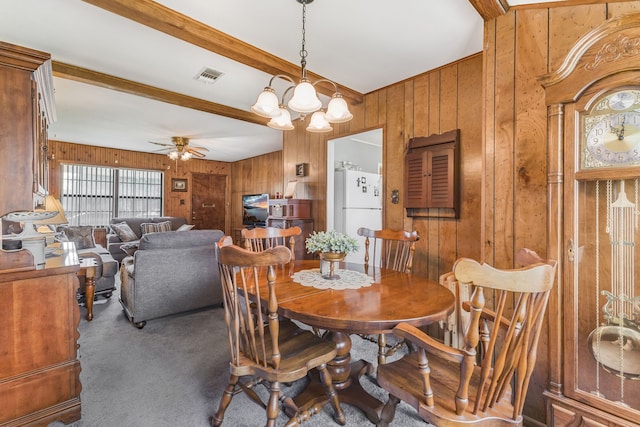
[{"x": 255, "y": 209}]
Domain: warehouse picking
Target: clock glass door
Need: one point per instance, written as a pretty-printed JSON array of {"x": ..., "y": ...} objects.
[{"x": 608, "y": 291}]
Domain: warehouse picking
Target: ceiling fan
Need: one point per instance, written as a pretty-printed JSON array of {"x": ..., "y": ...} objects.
[{"x": 180, "y": 149}]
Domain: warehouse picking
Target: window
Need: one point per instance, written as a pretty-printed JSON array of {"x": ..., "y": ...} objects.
[{"x": 92, "y": 195}]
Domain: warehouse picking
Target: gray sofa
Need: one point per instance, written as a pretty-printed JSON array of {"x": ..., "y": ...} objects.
[
  {"x": 170, "y": 273},
  {"x": 115, "y": 243}
]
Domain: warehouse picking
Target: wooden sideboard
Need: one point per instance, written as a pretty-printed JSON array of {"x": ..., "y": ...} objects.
[{"x": 39, "y": 366}]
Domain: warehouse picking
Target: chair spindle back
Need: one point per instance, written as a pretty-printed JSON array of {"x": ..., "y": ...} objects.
[
  {"x": 240, "y": 271},
  {"x": 389, "y": 248}
]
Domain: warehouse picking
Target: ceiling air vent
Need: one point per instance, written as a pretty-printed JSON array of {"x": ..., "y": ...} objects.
[{"x": 208, "y": 75}]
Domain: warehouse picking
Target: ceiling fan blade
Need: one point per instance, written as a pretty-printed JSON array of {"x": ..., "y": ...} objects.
[
  {"x": 163, "y": 150},
  {"x": 199, "y": 147},
  {"x": 161, "y": 143},
  {"x": 195, "y": 153}
]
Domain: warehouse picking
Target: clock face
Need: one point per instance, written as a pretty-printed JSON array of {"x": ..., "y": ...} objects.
[
  {"x": 615, "y": 139},
  {"x": 611, "y": 131}
]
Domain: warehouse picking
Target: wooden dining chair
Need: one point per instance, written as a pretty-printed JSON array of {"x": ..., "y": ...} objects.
[
  {"x": 391, "y": 249},
  {"x": 269, "y": 353},
  {"x": 452, "y": 326},
  {"x": 486, "y": 381},
  {"x": 259, "y": 239}
]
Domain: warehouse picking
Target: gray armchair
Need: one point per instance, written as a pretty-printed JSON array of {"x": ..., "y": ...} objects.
[{"x": 171, "y": 273}]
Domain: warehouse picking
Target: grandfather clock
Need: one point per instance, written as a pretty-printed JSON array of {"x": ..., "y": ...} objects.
[{"x": 593, "y": 142}]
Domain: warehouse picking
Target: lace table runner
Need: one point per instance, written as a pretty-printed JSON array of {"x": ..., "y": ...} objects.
[{"x": 348, "y": 279}]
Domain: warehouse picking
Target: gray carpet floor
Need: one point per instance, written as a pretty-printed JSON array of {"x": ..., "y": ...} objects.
[{"x": 172, "y": 372}]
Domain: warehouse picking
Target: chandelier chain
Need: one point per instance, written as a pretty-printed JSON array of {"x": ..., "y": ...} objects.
[
  {"x": 305, "y": 98},
  {"x": 303, "y": 51}
]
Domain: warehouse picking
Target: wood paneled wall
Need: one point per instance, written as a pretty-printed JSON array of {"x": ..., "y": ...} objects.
[
  {"x": 434, "y": 102},
  {"x": 519, "y": 47},
  {"x": 261, "y": 174},
  {"x": 64, "y": 152}
]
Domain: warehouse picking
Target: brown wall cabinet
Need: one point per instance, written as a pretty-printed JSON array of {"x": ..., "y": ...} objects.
[
  {"x": 26, "y": 93},
  {"x": 431, "y": 175}
]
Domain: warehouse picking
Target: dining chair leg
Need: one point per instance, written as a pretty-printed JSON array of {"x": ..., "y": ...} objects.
[
  {"x": 273, "y": 406},
  {"x": 227, "y": 395},
  {"x": 325, "y": 378}
]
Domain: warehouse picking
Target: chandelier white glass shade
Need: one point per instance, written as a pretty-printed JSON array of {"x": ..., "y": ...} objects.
[
  {"x": 319, "y": 123},
  {"x": 304, "y": 100}
]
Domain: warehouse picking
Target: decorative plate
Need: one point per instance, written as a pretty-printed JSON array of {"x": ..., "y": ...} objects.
[{"x": 29, "y": 216}]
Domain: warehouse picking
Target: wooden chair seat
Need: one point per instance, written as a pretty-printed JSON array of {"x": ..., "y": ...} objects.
[
  {"x": 444, "y": 378},
  {"x": 300, "y": 351}
]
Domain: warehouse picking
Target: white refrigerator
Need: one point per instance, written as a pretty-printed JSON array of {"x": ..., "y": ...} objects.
[{"x": 357, "y": 203}]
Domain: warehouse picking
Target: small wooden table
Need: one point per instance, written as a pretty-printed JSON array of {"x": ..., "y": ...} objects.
[
  {"x": 393, "y": 298},
  {"x": 88, "y": 270}
]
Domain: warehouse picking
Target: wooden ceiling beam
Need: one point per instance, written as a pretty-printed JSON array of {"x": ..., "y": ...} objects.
[
  {"x": 96, "y": 78},
  {"x": 168, "y": 21},
  {"x": 490, "y": 9}
]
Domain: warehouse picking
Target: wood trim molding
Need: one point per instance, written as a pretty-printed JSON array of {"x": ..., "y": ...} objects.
[
  {"x": 96, "y": 78},
  {"x": 591, "y": 59},
  {"x": 21, "y": 57},
  {"x": 168, "y": 21},
  {"x": 490, "y": 9}
]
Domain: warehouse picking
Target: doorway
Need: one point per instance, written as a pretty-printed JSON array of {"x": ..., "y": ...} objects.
[
  {"x": 208, "y": 201},
  {"x": 359, "y": 151}
]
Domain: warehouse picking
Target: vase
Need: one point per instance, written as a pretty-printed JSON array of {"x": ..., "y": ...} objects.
[{"x": 332, "y": 258}]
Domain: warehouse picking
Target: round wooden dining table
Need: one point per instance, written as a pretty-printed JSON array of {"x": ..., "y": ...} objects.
[{"x": 392, "y": 298}]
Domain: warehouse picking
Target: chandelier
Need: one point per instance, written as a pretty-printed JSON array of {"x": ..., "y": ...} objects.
[{"x": 304, "y": 100}]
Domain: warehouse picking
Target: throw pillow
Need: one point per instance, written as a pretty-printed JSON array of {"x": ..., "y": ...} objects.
[
  {"x": 124, "y": 232},
  {"x": 148, "y": 227},
  {"x": 155, "y": 227},
  {"x": 163, "y": 226},
  {"x": 129, "y": 248},
  {"x": 82, "y": 236},
  {"x": 185, "y": 227}
]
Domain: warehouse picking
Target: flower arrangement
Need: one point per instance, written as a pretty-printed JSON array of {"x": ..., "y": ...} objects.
[{"x": 331, "y": 241}]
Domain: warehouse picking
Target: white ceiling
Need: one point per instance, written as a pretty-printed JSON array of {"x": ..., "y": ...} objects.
[{"x": 362, "y": 44}]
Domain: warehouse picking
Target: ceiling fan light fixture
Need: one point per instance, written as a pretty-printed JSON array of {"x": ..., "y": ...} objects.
[
  {"x": 305, "y": 98},
  {"x": 283, "y": 121},
  {"x": 186, "y": 156},
  {"x": 318, "y": 123},
  {"x": 173, "y": 155}
]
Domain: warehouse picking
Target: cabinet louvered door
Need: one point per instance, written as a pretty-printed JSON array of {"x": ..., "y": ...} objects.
[
  {"x": 415, "y": 179},
  {"x": 440, "y": 178},
  {"x": 431, "y": 176}
]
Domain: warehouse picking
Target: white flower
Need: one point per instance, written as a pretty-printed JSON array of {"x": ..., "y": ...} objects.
[{"x": 331, "y": 241}]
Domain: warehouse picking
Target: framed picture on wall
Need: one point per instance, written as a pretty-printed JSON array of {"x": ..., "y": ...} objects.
[{"x": 178, "y": 184}]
